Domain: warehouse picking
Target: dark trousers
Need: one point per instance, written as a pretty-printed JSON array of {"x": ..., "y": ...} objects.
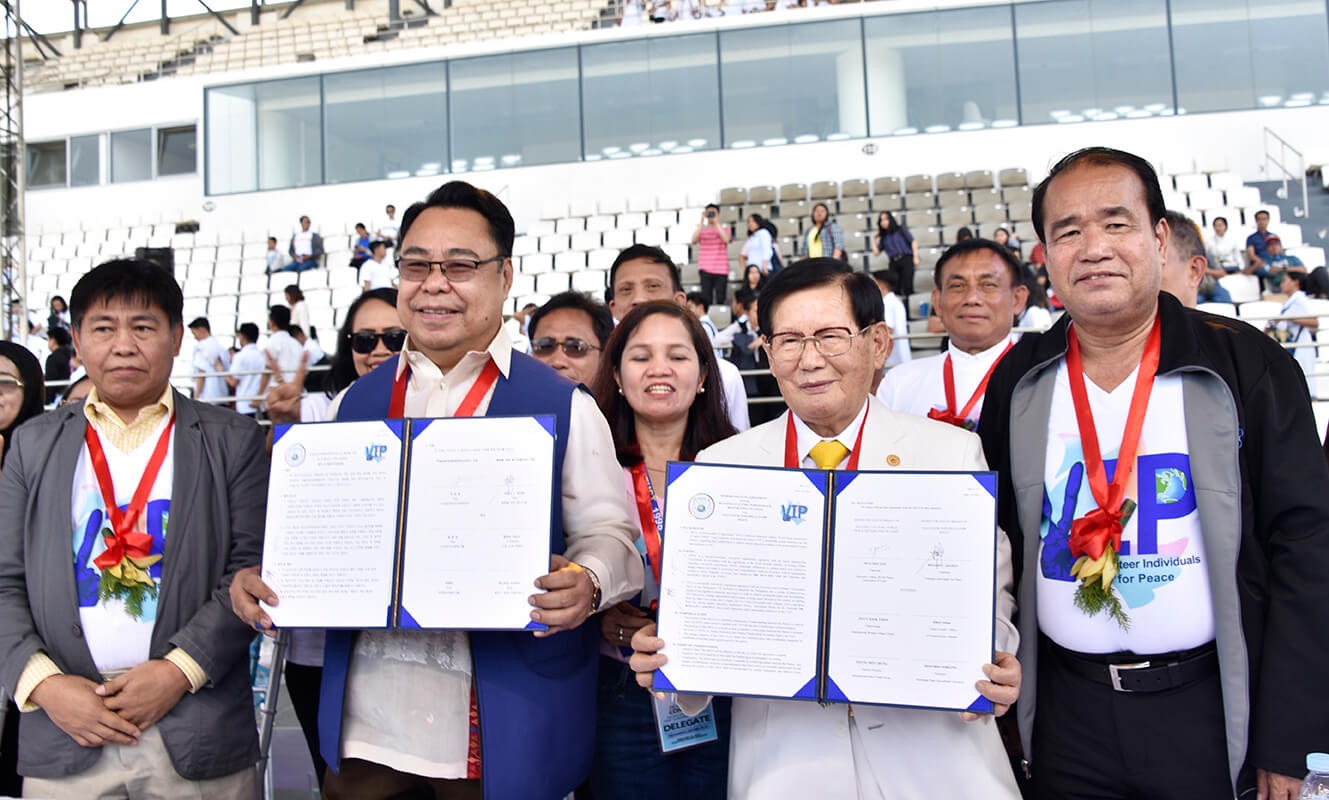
[
  {"x": 628, "y": 763},
  {"x": 715, "y": 288},
  {"x": 302, "y": 686},
  {"x": 1094, "y": 743},
  {"x": 11, "y": 785},
  {"x": 903, "y": 267},
  {"x": 365, "y": 780}
]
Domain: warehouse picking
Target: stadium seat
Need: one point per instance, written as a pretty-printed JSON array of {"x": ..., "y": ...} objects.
[
  {"x": 1242, "y": 288},
  {"x": 886, "y": 186}
]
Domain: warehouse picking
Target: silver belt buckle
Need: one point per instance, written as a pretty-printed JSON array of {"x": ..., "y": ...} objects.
[{"x": 1115, "y": 671}]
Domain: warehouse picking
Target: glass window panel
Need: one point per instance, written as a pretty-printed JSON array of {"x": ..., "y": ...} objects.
[
  {"x": 231, "y": 155},
  {"x": 941, "y": 70},
  {"x": 1093, "y": 60},
  {"x": 85, "y": 156},
  {"x": 793, "y": 83},
  {"x": 176, "y": 153},
  {"x": 386, "y": 123},
  {"x": 662, "y": 95},
  {"x": 1233, "y": 54},
  {"x": 131, "y": 156},
  {"x": 290, "y": 142},
  {"x": 514, "y": 109},
  {"x": 46, "y": 163}
]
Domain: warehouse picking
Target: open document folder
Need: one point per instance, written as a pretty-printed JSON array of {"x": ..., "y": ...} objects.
[
  {"x": 417, "y": 523},
  {"x": 863, "y": 587}
]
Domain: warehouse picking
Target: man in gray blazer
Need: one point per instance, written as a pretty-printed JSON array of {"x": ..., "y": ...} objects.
[{"x": 122, "y": 650}]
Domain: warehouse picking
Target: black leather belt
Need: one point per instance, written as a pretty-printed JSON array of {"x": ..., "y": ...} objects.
[{"x": 1142, "y": 673}]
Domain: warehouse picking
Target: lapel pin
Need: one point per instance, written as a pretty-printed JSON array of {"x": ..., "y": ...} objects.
[{"x": 893, "y": 460}]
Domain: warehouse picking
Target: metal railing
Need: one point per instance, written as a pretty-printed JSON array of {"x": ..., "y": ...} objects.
[{"x": 1285, "y": 170}]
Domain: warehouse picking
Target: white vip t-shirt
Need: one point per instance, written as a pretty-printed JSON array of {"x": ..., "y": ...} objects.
[
  {"x": 1163, "y": 584},
  {"x": 115, "y": 639}
]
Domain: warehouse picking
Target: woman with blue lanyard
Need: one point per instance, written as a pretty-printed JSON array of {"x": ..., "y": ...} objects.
[{"x": 659, "y": 387}]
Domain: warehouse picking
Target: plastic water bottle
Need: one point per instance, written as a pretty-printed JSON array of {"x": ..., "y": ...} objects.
[{"x": 1316, "y": 784}]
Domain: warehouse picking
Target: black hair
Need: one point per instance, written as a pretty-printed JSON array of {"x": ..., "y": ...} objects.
[
  {"x": 62, "y": 303},
  {"x": 761, "y": 277},
  {"x": 296, "y": 331},
  {"x": 293, "y": 291},
  {"x": 649, "y": 253},
  {"x": 280, "y": 316},
  {"x": 887, "y": 277},
  {"x": 250, "y": 331},
  {"x": 864, "y": 297},
  {"x": 708, "y": 419},
  {"x": 342, "y": 372},
  {"x": 1263, "y": 211},
  {"x": 361, "y": 225},
  {"x": 34, "y": 386},
  {"x": 712, "y": 205},
  {"x": 61, "y": 336},
  {"x": 602, "y": 322},
  {"x": 460, "y": 194},
  {"x": 201, "y": 322},
  {"x": 131, "y": 280},
  {"x": 891, "y": 223},
  {"x": 827, "y": 208},
  {"x": 1185, "y": 235},
  {"x": 1007, "y": 256},
  {"x": 744, "y": 296},
  {"x": 1038, "y": 296},
  {"x": 1216, "y": 219},
  {"x": 698, "y": 298},
  {"x": 1297, "y": 275},
  {"x": 1103, "y": 157}
]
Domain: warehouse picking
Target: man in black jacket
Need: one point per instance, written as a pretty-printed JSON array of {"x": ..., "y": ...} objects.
[{"x": 1168, "y": 504}]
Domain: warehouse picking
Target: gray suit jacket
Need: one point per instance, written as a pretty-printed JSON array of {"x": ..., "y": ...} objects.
[{"x": 218, "y": 498}]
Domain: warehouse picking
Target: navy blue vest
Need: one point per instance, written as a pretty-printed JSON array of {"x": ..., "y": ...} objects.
[{"x": 536, "y": 696}]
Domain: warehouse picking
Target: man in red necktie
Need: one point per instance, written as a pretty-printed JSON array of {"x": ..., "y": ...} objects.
[{"x": 1171, "y": 598}]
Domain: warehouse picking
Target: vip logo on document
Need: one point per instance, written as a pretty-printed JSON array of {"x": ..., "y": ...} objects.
[
  {"x": 295, "y": 455},
  {"x": 376, "y": 453},
  {"x": 792, "y": 512}
]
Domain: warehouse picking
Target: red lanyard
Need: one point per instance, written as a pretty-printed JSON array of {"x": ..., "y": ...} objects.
[
  {"x": 648, "y": 511},
  {"x": 124, "y": 540},
  {"x": 1092, "y": 533},
  {"x": 469, "y": 403},
  {"x": 791, "y": 458},
  {"x": 961, "y": 419}
]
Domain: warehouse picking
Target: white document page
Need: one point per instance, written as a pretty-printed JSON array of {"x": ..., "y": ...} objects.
[
  {"x": 477, "y": 522},
  {"x": 913, "y": 565},
  {"x": 330, "y": 537},
  {"x": 741, "y": 581}
]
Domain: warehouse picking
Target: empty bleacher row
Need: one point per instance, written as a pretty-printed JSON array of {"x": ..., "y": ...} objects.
[{"x": 315, "y": 31}]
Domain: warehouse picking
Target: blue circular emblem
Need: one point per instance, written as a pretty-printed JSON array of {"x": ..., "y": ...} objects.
[
  {"x": 701, "y": 506},
  {"x": 295, "y": 455}
]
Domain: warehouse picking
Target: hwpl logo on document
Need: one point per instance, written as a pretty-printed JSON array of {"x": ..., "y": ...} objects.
[
  {"x": 792, "y": 512},
  {"x": 376, "y": 452}
]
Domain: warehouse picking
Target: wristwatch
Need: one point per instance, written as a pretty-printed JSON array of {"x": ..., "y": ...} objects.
[{"x": 595, "y": 586}]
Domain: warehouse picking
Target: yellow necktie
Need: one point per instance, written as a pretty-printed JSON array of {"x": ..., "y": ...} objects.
[{"x": 828, "y": 454}]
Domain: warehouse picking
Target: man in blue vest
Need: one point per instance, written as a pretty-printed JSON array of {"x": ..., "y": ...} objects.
[{"x": 468, "y": 714}]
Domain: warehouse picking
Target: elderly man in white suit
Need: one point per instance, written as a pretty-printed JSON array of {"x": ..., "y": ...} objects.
[{"x": 822, "y": 326}]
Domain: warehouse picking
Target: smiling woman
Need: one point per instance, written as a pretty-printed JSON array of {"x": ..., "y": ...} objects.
[{"x": 659, "y": 386}]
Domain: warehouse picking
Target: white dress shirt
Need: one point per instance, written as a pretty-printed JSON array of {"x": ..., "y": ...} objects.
[{"x": 918, "y": 386}]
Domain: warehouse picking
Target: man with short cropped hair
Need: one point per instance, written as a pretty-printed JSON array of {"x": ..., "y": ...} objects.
[
  {"x": 568, "y": 333},
  {"x": 823, "y": 332},
  {"x": 123, "y": 652},
  {"x": 248, "y": 379},
  {"x": 643, "y": 273},
  {"x": 978, "y": 295},
  {"x": 1172, "y": 596},
  {"x": 461, "y": 714},
  {"x": 281, "y": 345},
  {"x": 209, "y": 356},
  {"x": 1187, "y": 274}
]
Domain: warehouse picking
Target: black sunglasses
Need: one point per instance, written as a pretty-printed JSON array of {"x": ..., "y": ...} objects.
[
  {"x": 572, "y": 347},
  {"x": 364, "y": 342}
]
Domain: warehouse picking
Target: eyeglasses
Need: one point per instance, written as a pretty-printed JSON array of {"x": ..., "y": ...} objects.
[
  {"x": 9, "y": 383},
  {"x": 830, "y": 342},
  {"x": 456, "y": 270},
  {"x": 364, "y": 342},
  {"x": 572, "y": 347}
]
